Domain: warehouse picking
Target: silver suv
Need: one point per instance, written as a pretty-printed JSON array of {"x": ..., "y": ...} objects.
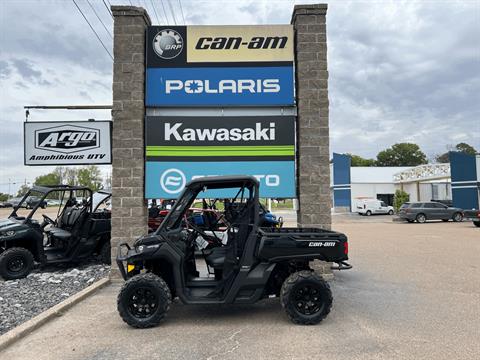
[{"x": 423, "y": 211}]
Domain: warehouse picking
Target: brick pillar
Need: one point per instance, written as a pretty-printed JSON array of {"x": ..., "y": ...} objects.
[
  {"x": 129, "y": 211},
  {"x": 313, "y": 159}
]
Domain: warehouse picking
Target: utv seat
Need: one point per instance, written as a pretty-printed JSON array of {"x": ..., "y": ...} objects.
[
  {"x": 60, "y": 233},
  {"x": 68, "y": 220},
  {"x": 216, "y": 258}
]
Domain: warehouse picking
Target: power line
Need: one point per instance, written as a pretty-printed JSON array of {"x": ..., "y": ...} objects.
[
  {"x": 91, "y": 27},
  {"x": 108, "y": 9},
  {"x": 163, "y": 15},
  {"x": 155, "y": 11},
  {"x": 99, "y": 19},
  {"x": 181, "y": 9},
  {"x": 171, "y": 9},
  {"x": 164, "y": 11}
]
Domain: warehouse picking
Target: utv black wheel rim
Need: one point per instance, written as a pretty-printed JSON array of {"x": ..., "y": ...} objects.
[
  {"x": 143, "y": 303},
  {"x": 16, "y": 264},
  {"x": 307, "y": 300}
]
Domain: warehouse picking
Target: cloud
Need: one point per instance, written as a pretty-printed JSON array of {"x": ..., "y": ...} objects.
[{"x": 399, "y": 70}]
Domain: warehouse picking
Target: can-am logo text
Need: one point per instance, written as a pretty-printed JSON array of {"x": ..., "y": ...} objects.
[
  {"x": 236, "y": 42},
  {"x": 67, "y": 139},
  {"x": 251, "y": 86},
  {"x": 178, "y": 133},
  {"x": 168, "y": 44}
]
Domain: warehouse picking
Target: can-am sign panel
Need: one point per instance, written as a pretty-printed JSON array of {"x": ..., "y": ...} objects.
[
  {"x": 212, "y": 46},
  {"x": 167, "y": 179},
  {"x": 67, "y": 143},
  {"x": 237, "y": 86}
]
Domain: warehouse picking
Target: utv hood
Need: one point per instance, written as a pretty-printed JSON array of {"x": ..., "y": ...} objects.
[{"x": 7, "y": 224}]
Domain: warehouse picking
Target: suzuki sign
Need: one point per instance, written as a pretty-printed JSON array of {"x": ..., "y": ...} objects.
[{"x": 67, "y": 143}]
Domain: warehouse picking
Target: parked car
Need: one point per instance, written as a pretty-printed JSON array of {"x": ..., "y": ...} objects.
[
  {"x": 15, "y": 201},
  {"x": 423, "y": 211},
  {"x": 33, "y": 201},
  {"x": 5, "y": 204},
  {"x": 372, "y": 206},
  {"x": 473, "y": 215}
]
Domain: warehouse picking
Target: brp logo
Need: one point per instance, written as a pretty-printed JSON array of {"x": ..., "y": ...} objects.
[
  {"x": 168, "y": 44},
  {"x": 172, "y": 181}
]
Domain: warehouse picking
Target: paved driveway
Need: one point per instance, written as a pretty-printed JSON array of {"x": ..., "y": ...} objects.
[{"x": 413, "y": 294}]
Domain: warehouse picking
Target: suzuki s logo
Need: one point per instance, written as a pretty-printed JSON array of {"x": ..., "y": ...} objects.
[
  {"x": 173, "y": 181},
  {"x": 168, "y": 44},
  {"x": 67, "y": 139}
]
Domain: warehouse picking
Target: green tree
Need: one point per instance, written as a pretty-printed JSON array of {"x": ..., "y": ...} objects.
[
  {"x": 461, "y": 147},
  {"x": 23, "y": 190},
  {"x": 465, "y": 148},
  {"x": 4, "y": 197},
  {"x": 357, "y": 160},
  {"x": 399, "y": 199},
  {"x": 91, "y": 177},
  {"x": 402, "y": 154},
  {"x": 48, "y": 179}
]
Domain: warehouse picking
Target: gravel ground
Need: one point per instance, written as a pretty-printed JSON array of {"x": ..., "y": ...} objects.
[{"x": 22, "y": 299}]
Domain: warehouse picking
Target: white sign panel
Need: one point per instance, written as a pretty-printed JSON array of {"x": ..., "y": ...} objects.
[{"x": 67, "y": 143}]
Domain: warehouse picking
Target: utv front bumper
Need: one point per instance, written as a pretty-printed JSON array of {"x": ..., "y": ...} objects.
[{"x": 122, "y": 257}]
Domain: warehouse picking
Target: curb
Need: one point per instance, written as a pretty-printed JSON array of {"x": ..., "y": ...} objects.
[{"x": 57, "y": 310}]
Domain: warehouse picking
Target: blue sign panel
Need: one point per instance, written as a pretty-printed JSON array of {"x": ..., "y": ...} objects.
[
  {"x": 222, "y": 86},
  {"x": 164, "y": 180}
]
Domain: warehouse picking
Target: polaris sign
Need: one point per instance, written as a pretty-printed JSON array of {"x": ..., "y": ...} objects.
[
  {"x": 62, "y": 143},
  {"x": 223, "y": 86}
]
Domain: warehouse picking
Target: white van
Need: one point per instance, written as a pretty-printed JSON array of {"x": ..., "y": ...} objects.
[{"x": 373, "y": 206}]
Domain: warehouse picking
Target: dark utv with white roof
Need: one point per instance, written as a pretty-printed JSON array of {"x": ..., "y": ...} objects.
[
  {"x": 255, "y": 263},
  {"x": 423, "y": 211}
]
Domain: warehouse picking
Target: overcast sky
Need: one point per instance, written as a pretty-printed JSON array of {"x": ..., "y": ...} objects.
[{"x": 399, "y": 70}]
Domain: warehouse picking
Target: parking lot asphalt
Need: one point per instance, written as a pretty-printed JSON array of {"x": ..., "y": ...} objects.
[{"x": 413, "y": 294}]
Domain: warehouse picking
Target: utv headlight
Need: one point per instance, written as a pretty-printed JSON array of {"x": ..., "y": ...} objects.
[{"x": 8, "y": 233}]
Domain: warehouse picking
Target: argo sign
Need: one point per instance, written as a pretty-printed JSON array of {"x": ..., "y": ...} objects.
[{"x": 67, "y": 143}]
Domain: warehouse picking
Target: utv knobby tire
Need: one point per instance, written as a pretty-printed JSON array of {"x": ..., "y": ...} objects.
[
  {"x": 104, "y": 254},
  {"x": 297, "y": 282},
  {"x": 157, "y": 286},
  {"x": 476, "y": 223},
  {"x": 15, "y": 263}
]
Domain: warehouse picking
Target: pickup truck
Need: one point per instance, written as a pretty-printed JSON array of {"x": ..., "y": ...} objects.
[{"x": 252, "y": 264}]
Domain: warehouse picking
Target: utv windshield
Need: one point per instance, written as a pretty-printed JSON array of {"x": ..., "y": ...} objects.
[{"x": 101, "y": 199}]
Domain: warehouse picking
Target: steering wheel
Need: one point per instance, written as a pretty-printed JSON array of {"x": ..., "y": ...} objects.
[
  {"x": 48, "y": 221},
  {"x": 207, "y": 237}
]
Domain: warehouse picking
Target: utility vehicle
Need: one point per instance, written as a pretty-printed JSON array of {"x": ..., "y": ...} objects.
[
  {"x": 255, "y": 263},
  {"x": 80, "y": 230}
]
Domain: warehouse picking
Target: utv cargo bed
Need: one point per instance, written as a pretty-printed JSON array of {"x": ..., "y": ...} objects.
[{"x": 311, "y": 243}]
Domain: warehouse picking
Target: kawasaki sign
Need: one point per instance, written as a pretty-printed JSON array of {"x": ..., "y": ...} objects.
[{"x": 72, "y": 143}]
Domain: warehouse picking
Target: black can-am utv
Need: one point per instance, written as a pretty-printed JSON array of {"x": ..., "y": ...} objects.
[
  {"x": 254, "y": 264},
  {"x": 80, "y": 230}
]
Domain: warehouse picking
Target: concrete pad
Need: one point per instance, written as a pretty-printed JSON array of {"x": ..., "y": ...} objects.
[{"x": 413, "y": 294}]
